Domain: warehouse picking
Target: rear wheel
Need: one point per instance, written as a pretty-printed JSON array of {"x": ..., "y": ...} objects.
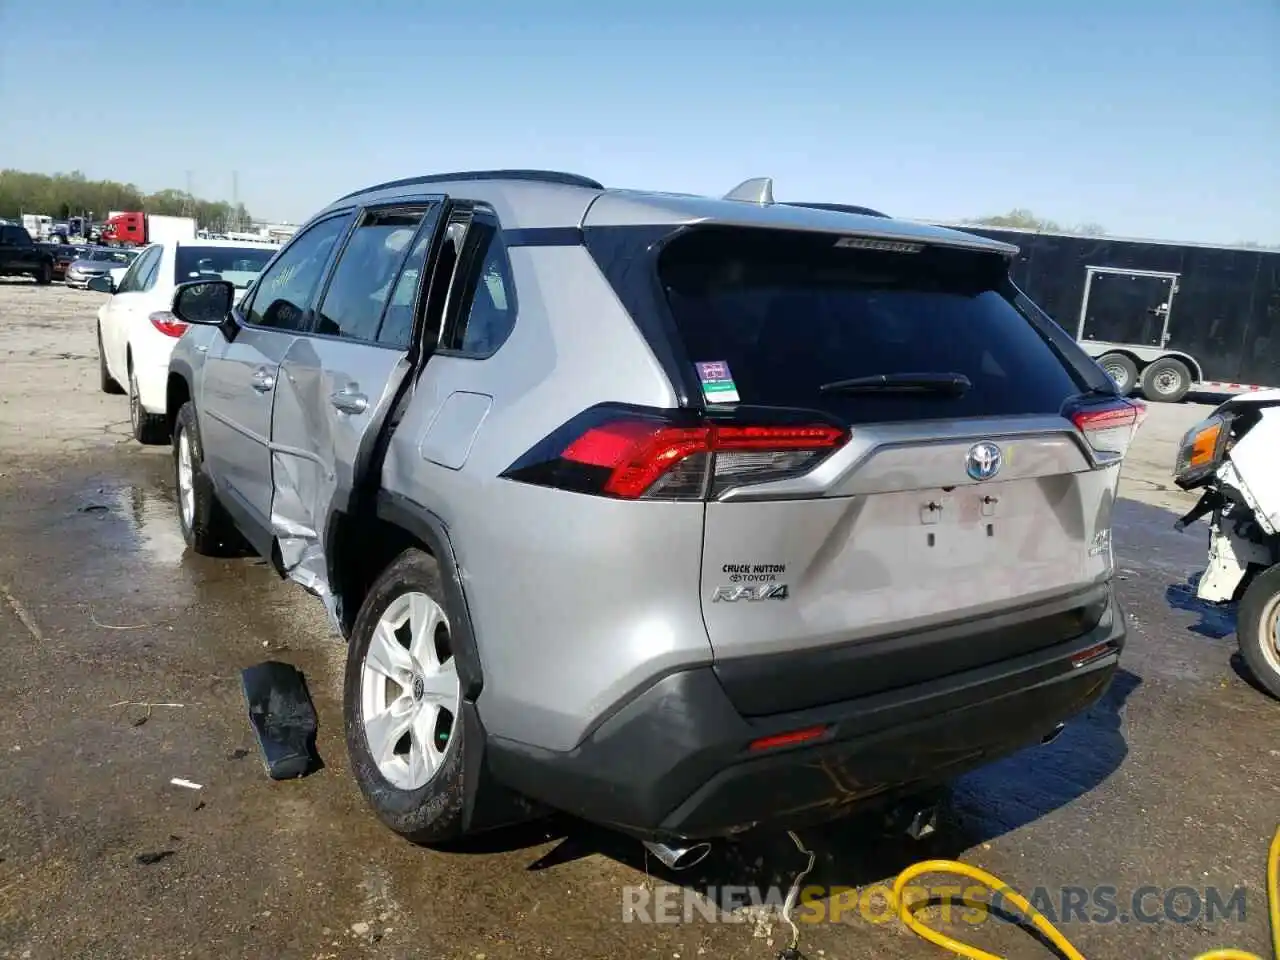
[
  {"x": 206, "y": 526},
  {"x": 44, "y": 275},
  {"x": 402, "y": 703},
  {"x": 1166, "y": 381},
  {"x": 106, "y": 382},
  {"x": 1258, "y": 629},
  {"x": 1120, "y": 369},
  {"x": 148, "y": 428}
]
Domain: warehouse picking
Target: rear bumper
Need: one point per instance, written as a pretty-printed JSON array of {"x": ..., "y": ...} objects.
[{"x": 674, "y": 762}]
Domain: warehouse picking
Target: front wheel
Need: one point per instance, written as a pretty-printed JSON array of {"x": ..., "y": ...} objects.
[
  {"x": 402, "y": 703},
  {"x": 106, "y": 382},
  {"x": 1258, "y": 629},
  {"x": 206, "y": 526}
]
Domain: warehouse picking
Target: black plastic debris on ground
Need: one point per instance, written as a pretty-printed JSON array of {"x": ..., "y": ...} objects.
[
  {"x": 146, "y": 859},
  {"x": 283, "y": 718}
]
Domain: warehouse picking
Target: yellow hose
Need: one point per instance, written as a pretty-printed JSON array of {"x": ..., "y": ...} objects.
[{"x": 906, "y": 911}]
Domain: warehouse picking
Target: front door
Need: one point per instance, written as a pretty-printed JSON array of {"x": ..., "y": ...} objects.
[
  {"x": 1127, "y": 306},
  {"x": 131, "y": 300},
  {"x": 238, "y": 387},
  {"x": 14, "y": 248},
  {"x": 340, "y": 377}
]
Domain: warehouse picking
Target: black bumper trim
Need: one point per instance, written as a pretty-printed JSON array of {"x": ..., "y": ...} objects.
[
  {"x": 674, "y": 762},
  {"x": 760, "y": 686}
]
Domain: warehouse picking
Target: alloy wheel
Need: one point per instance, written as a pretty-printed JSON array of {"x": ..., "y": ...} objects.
[
  {"x": 186, "y": 480},
  {"x": 410, "y": 696},
  {"x": 1271, "y": 630}
]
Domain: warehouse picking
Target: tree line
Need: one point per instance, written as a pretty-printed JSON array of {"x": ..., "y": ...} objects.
[
  {"x": 1026, "y": 220},
  {"x": 63, "y": 195}
]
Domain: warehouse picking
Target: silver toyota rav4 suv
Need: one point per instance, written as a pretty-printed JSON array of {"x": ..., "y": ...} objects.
[{"x": 682, "y": 515}]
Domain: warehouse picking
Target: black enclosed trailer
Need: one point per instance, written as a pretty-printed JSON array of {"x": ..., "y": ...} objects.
[{"x": 1162, "y": 318}]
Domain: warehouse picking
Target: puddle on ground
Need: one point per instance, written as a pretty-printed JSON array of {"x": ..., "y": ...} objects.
[{"x": 153, "y": 515}]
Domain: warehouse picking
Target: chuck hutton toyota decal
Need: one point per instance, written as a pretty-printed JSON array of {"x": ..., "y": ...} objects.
[
  {"x": 753, "y": 572},
  {"x": 752, "y": 581}
]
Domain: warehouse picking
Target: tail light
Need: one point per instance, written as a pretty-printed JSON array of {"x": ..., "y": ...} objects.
[
  {"x": 1110, "y": 427},
  {"x": 167, "y": 323},
  {"x": 635, "y": 455}
]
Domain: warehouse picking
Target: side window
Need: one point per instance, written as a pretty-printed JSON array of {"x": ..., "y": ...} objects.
[
  {"x": 486, "y": 306},
  {"x": 397, "y": 323},
  {"x": 366, "y": 273},
  {"x": 132, "y": 281},
  {"x": 283, "y": 295},
  {"x": 147, "y": 280}
]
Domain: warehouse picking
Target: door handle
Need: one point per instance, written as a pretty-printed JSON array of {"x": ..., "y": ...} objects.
[
  {"x": 263, "y": 380},
  {"x": 349, "y": 400}
]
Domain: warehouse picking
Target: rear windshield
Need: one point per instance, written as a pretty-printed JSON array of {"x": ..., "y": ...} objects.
[
  {"x": 121, "y": 257},
  {"x": 788, "y": 312},
  {"x": 236, "y": 264}
]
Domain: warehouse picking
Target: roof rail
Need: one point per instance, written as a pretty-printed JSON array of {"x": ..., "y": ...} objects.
[
  {"x": 533, "y": 176},
  {"x": 756, "y": 190},
  {"x": 840, "y": 207}
]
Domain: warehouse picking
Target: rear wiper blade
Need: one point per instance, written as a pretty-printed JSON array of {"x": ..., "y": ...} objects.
[{"x": 950, "y": 384}]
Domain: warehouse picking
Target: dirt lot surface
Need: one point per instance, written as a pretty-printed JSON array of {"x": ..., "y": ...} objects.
[{"x": 1173, "y": 781}]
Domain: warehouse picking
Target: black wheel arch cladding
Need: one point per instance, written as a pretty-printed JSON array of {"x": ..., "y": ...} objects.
[{"x": 430, "y": 530}]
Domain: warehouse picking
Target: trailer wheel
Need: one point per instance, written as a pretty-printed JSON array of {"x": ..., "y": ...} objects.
[
  {"x": 1258, "y": 629},
  {"x": 1166, "y": 381},
  {"x": 1120, "y": 369}
]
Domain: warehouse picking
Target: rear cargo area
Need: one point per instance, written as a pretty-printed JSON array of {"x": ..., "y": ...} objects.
[{"x": 963, "y": 522}]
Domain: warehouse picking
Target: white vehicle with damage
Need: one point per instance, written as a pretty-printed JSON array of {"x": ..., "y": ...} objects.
[
  {"x": 137, "y": 331},
  {"x": 1234, "y": 456}
]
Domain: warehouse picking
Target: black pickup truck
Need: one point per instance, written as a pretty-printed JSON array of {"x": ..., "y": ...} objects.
[{"x": 20, "y": 256}]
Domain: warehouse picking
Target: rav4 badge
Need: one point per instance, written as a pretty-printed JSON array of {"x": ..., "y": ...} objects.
[{"x": 752, "y": 591}]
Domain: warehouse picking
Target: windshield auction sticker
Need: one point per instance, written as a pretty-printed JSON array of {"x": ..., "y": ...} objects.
[{"x": 717, "y": 382}]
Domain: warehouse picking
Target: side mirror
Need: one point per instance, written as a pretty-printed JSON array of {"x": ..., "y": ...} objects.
[
  {"x": 103, "y": 284},
  {"x": 204, "y": 302}
]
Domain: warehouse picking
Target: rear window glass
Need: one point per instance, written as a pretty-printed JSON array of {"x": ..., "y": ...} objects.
[
  {"x": 239, "y": 265},
  {"x": 119, "y": 257},
  {"x": 790, "y": 312}
]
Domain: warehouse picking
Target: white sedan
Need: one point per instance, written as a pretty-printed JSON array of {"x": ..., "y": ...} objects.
[{"x": 137, "y": 331}]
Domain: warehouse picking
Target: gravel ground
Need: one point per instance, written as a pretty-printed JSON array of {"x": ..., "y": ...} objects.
[{"x": 1172, "y": 781}]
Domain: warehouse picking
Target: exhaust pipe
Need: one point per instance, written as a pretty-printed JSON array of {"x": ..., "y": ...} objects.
[
  {"x": 678, "y": 858},
  {"x": 1053, "y": 734}
]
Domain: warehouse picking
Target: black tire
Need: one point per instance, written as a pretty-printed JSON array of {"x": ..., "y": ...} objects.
[
  {"x": 1257, "y": 621},
  {"x": 1166, "y": 381},
  {"x": 211, "y": 532},
  {"x": 151, "y": 429},
  {"x": 432, "y": 813},
  {"x": 106, "y": 382},
  {"x": 44, "y": 276},
  {"x": 1122, "y": 370}
]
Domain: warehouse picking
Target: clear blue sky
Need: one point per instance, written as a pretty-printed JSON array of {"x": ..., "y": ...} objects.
[{"x": 1151, "y": 117}]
